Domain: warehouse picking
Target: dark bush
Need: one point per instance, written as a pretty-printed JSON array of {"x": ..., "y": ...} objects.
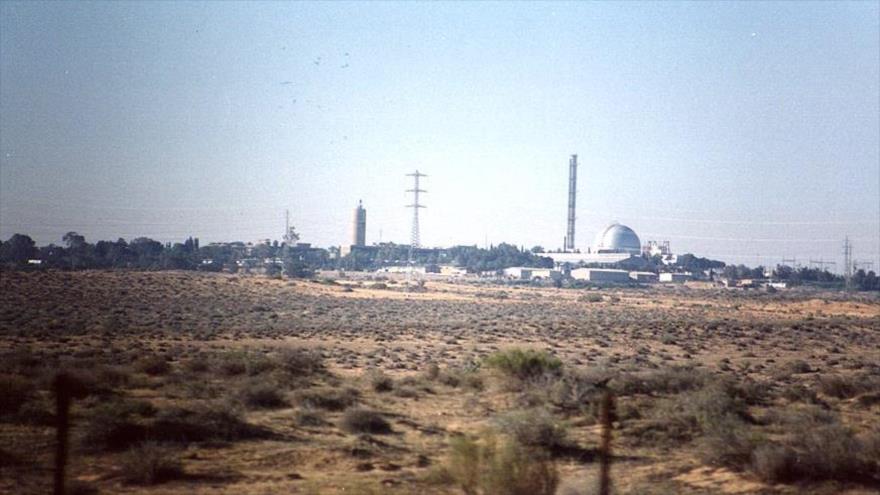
[
  {"x": 261, "y": 395},
  {"x": 308, "y": 417},
  {"x": 150, "y": 463},
  {"x": 380, "y": 382},
  {"x": 16, "y": 390},
  {"x": 331, "y": 399},
  {"x": 774, "y": 463},
  {"x": 845, "y": 387},
  {"x": 524, "y": 364},
  {"x": 663, "y": 381},
  {"x": 154, "y": 365},
  {"x": 359, "y": 420},
  {"x": 534, "y": 428},
  {"x": 212, "y": 422},
  {"x": 111, "y": 428},
  {"x": 301, "y": 362}
]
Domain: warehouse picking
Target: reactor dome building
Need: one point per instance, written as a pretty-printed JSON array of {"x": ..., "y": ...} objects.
[{"x": 617, "y": 238}]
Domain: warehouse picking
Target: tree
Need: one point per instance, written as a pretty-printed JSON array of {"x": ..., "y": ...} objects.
[
  {"x": 78, "y": 249},
  {"x": 18, "y": 249}
]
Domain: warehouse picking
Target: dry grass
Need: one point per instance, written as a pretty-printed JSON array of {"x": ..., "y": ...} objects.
[{"x": 264, "y": 386}]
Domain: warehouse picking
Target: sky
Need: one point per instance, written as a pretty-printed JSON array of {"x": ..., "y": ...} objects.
[{"x": 743, "y": 131}]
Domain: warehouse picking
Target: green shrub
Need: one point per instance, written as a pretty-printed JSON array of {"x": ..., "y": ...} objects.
[
  {"x": 150, "y": 463},
  {"x": 500, "y": 466},
  {"x": 524, "y": 364},
  {"x": 357, "y": 420}
]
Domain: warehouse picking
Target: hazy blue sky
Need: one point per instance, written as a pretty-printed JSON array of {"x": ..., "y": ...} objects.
[{"x": 742, "y": 131}]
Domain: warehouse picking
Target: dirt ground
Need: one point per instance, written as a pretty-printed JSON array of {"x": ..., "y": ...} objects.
[{"x": 147, "y": 343}]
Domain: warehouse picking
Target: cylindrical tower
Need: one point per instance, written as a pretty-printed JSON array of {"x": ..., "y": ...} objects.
[{"x": 359, "y": 226}]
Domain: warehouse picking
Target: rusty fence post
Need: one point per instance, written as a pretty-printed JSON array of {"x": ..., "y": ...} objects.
[
  {"x": 61, "y": 388},
  {"x": 606, "y": 418}
]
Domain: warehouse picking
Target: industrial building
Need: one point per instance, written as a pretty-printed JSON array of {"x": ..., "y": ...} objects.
[
  {"x": 643, "y": 277},
  {"x": 675, "y": 277},
  {"x": 529, "y": 273},
  {"x": 601, "y": 275},
  {"x": 612, "y": 245}
]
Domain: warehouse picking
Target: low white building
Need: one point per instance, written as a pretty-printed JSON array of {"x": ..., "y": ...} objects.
[
  {"x": 600, "y": 275},
  {"x": 675, "y": 277},
  {"x": 529, "y": 273}
]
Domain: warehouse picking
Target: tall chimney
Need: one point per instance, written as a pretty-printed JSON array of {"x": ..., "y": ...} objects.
[
  {"x": 572, "y": 193},
  {"x": 359, "y": 226}
]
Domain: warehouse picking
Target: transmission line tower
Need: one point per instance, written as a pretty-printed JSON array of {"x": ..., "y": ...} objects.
[
  {"x": 847, "y": 263},
  {"x": 414, "y": 242}
]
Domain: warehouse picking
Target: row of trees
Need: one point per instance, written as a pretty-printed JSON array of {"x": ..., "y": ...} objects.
[{"x": 147, "y": 254}]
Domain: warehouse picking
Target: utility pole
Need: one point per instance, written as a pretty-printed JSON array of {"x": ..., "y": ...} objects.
[{"x": 847, "y": 263}]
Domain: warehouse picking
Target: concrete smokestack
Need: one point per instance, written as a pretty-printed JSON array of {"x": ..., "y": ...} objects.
[
  {"x": 359, "y": 226},
  {"x": 572, "y": 194}
]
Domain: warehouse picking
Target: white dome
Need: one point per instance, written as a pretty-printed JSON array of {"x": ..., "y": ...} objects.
[{"x": 617, "y": 238}]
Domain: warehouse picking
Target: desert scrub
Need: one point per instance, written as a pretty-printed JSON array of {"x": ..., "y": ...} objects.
[
  {"x": 111, "y": 427},
  {"x": 150, "y": 463},
  {"x": 308, "y": 418},
  {"x": 845, "y": 387},
  {"x": 534, "y": 428},
  {"x": 380, "y": 382},
  {"x": 667, "y": 380},
  {"x": 328, "y": 398},
  {"x": 826, "y": 452},
  {"x": 590, "y": 298},
  {"x": 358, "y": 420},
  {"x": 16, "y": 391},
  {"x": 243, "y": 363},
  {"x": 208, "y": 422},
  {"x": 524, "y": 364},
  {"x": 154, "y": 365},
  {"x": 300, "y": 362},
  {"x": 494, "y": 464},
  {"x": 258, "y": 394}
]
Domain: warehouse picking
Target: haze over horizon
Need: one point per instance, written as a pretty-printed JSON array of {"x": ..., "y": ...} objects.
[{"x": 745, "y": 132}]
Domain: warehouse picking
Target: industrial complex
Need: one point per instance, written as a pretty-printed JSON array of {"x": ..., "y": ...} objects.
[{"x": 616, "y": 254}]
